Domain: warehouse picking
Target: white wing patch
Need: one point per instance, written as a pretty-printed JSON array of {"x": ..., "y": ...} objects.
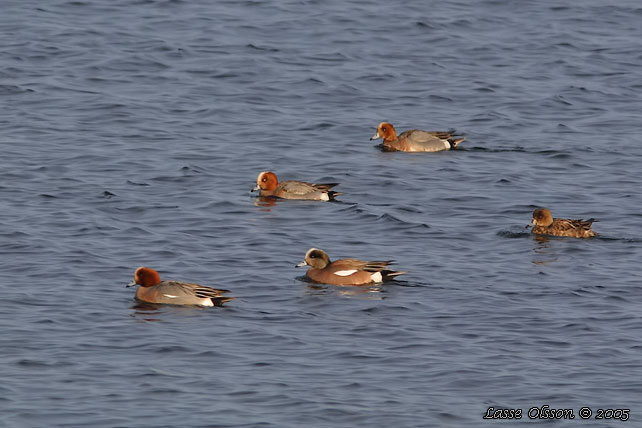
[{"x": 345, "y": 272}]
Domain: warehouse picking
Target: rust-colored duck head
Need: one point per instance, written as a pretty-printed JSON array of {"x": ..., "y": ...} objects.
[
  {"x": 386, "y": 131},
  {"x": 266, "y": 181},
  {"x": 145, "y": 277}
]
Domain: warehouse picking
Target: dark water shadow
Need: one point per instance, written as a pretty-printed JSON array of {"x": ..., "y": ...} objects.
[
  {"x": 604, "y": 238},
  {"x": 355, "y": 290},
  {"x": 271, "y": 201},
  {"x": 367, "y": 292},
  {"x": 513, "y": 235},
  {"x": 154, "y": 312},
  {"x": 545, "y": 238}
]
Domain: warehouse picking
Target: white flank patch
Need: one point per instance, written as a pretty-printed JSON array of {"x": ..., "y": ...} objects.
[
  {"x": 345, "y": 272},
  {"x": 377, "y": 277},
  {"x": 207, "y": 302},
  {"x": 170, "y": 296},
  {"x": 325, "y": 197},
  {"x": 447, "y": 144}
]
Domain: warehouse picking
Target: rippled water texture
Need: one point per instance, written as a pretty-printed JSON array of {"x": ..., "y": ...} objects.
[{"x": 131, "y": 133}]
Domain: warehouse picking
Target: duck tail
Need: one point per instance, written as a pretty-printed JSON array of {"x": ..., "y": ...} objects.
[
  {"x": 332, "y": 194},
  {"x": 456, "y": 141},
  {"x": 389, "y": 274},
  {"x": 219, "y": 301}
]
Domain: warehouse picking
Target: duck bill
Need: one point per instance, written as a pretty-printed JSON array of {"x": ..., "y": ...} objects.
[
  {"x": 532, "y": 223},
  {"x": 303, "y": 263},
  {"x": 375, "y": 136},
  {"x": 131, "y": 284},
  {"x": 255, "y": 188}
]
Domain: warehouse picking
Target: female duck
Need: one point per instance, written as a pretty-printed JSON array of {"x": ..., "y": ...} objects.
[{"x": 544, "y": 224}]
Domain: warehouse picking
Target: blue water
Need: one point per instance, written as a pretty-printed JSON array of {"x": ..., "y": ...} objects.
[{"x": 131, "y": 133}]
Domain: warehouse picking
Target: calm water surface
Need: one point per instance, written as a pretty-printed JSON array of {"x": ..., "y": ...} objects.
[{"x": 131, "y": 133}]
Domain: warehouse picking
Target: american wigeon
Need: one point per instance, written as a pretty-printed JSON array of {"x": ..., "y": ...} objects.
[
  {"x": 415, "y": 140},
  {"x": 544, "y": 224},
  {"x": 345, "y": 271},
  {"x": 153, "y": 290},
  {"x": 269, "y": 185}
]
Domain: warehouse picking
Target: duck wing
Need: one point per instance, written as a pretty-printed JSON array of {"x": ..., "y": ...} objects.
[
  {"x": 431, "y": 140},
  {"x": 419, "y": 136},
  {"x": 566, "y": 226},
  {"x": 303, "y": 188},
  {"x": 369, "y": 266},
  {"x": 190, "y": 289}
]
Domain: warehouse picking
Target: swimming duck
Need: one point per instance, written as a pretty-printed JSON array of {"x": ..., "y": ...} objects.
[
  {"x": 544, "y": 224},
  {"x": 415, "y": 140},
  {"x": 153, "y": 290},
  {"x": 345, "y": 271},
  {"x": 268, "y": 185}
]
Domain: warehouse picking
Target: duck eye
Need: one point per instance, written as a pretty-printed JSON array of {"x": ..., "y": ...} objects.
[{"x": 264, "y": 179}]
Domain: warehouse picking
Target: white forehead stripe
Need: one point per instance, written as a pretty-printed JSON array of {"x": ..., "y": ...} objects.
[{"x": 345, "y": 272}]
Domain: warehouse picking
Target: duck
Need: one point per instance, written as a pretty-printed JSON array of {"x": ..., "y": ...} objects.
[
  {"x": 415, "y": 140},
  {"x": 544, "y": 224},
  {"x": 269, "y": 186},
  {"x": 345, "y": 271},
  {"x": 152, "y": 290}
]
